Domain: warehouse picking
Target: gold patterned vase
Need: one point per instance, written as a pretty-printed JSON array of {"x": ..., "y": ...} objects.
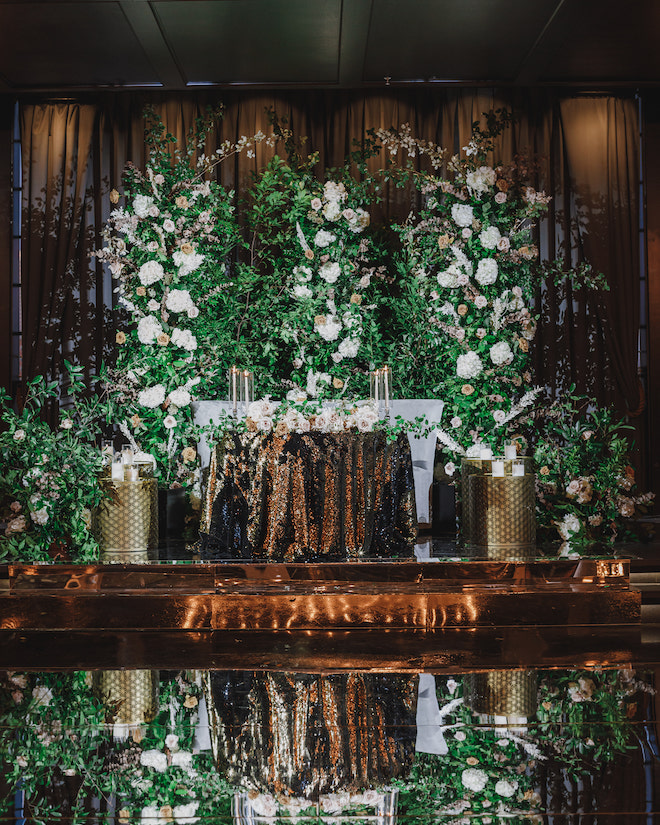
[
  {"x": 127, "y": 518},
  {"x": 498, "y": 518}
]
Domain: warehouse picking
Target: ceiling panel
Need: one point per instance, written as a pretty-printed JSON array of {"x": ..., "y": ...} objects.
[
  {"x": 70, "y": 44},
  {"x": 453, "y": 39},
  {"x": 253, "y": 41},
  {"x": 603, "y": 41}
]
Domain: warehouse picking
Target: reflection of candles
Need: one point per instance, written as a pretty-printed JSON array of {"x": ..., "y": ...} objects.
[
  {"x": 518, "y": 467},
  {"x": 375, "y": 385},
  {"x": 246, "y": 375},
  {"x": 510, "y": 450},
  {"x": 127, "y": 455},
  {"x": 486, "y": 453},
  {"x": 497, "y": 467},
  {"x": 117, "y": 471},
  {"x": 131, "y": 474}
]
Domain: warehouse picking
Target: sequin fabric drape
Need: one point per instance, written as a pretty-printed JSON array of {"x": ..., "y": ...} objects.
[
  {"x": 304, "y": 735},
  {"x": 309, "y": 497}
]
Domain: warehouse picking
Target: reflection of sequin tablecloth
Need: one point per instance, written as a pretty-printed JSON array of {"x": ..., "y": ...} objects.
[{"x": 310, "y": 496}]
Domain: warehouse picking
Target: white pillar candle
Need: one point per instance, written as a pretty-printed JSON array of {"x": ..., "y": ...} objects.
[
  {"x": 510, "y": 451},
  {"x": 486, "y": 453},
  {"x": 497, "y": 467},
  {"x": 117, "y": 471},
  {"x": 518, "y": 467}
]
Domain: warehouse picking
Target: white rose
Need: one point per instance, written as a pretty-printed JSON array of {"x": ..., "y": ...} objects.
[
  {"x": 172, "y": 742},
  {"x": 168, "y": 225},
  {"x": 316, "y": 204},
  {"x": 455, "y": 422},
  {"x": 450, "y": 469},
  {"x": 150, "y": 272},
  {"x": 462, "y": 214},
  {"x": 486, "y": 271},
  {"x": 169, "y": 422},
  {"x": 19, "y": 435},
  {"x": 499, "y": 416}
]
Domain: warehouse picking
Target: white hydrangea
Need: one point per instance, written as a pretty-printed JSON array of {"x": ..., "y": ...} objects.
[
  {"x": 479, "y": 180},
  {"x": 302, "y": 291},
  {"x": 39, "y": 516},
  {"x": 42, "y": 695},
  {"x": 332, "y": 211},
  {"x": 349, "y": 347},
  {"x": 303, "y": 273},
  {"x": 447, "y": 279},
  {"x": 154, "y": 759},
  {"x": 568, "y": 526},
  {"x": 333, "y": 191},
  {"x": 506, "y": 787},
  {"x": 142, "y": 204},
  {"x": 501, "y": 354},
  {"x": 185, "y": 814},
  {"x": 152, "y": 397},
  {"x": 179, "y": 300},
  {"x": 468, "y": 365},
  {"x": 324, "y": 238},
  {"x": 151, "y": 816},
  {"x": 490, "y": 237},
  {"x": 330, "y": 271},
  {"x": 359, "y": 220},
  {"x": 486, "y": 271},
  {"x": 187, "y": 261},
  {"x": 462, "y": 214},
  {"x": 150, "y": 272},
  {"x": 149, "y": 328},
  {"x": 184, "y": 338},
  {"x": 264, "y": 805},
  {"x": 474, "y": 779},
  {"x": 330, "y": 328},
  {"x": 180, "y": 398},
  {"x": 182, "y": 759}
]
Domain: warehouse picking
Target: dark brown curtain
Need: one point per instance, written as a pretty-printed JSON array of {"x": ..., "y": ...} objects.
[{"x": 74, "y": 153}]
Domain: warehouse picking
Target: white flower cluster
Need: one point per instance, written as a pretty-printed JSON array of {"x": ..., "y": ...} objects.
[
  {"x": 468, "y": 365},
  {"x": 181, "y": 814},
  {"x": 324, "y": 238},
  {"x": 180, "y": 397},
  {"x": 330, "y": 272},
  {"x": 462, "y": 214},
  {"x": 187, "y": 261},
  {"x": 458, "y": 272},
  {"x": 152, "y": 397},
  {"x": 506, "y": 787},
  {"x": 179, "y": 300},
  {"x": 150, "y": 272},
  {"x": 149, "y": 328},
  {"x": 144, "y": 207},
  {"x": 569, "y": 526},
  {"x": 501, "y": 354},
  {"x": 480, "y": 180},
  {"x": 490, "y": 237},
  {"x": 154, "y": 759},
  {"x": 486, "y": 271},
  {"x": 328, "y": 327},
  {"x": 363, "y": 417},
  {"x": 474, "y": 779},
  {"x": 184, "y": 338}
]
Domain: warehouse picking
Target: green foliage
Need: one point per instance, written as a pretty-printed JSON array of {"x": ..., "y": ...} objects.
[
  {"x": 48, "y": 478},
  {"x": 585, "y": 482}
]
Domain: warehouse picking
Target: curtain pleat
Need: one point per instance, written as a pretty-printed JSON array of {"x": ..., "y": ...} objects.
[{"x": 73, "y": 154}]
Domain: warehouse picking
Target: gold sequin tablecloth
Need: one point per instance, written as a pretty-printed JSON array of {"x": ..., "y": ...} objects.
[{"x": 309, "y": 497}]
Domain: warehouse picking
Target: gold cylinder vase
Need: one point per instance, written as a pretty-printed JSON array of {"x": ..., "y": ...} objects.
[
  {"x": 511, "y": 693},
  {"x": 499, "y": 512},
  {"x": 127, "y": 519},
  {"x": 132, "y": 696}
]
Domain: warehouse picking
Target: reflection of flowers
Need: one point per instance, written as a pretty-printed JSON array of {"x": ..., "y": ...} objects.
[{"x": 474, "y": 779}]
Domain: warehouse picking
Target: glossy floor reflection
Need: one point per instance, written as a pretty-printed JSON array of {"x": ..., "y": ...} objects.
[{"x": 236, "y": 747}]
